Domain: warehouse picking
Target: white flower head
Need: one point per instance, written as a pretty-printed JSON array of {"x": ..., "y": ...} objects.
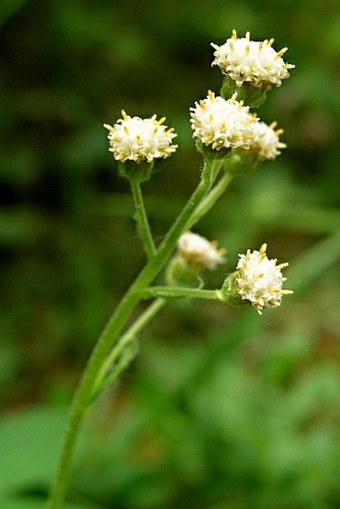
[
  {"x": 266, "y": 142},
  {"x": 199, "y": 251},
  {"x": 222, "y": 124},
  {"x": 254, "y": 62},
  {"x": 260, "y": 280},
  {"x": 140, "y": 140}
]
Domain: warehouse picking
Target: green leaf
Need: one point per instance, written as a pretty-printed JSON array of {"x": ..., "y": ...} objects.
[{"x": 29, "y": 445}]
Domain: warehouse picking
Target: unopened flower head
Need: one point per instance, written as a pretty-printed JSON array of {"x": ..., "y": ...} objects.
[
  {"x": 259, "y": 279},
  {"x": 266, "y": 142},
  {"x": 198, "y": 251},
  {"x": 222, "y": 124},
  {"x": 254, "y": 62},
  {"x": 140, "y": 140}
]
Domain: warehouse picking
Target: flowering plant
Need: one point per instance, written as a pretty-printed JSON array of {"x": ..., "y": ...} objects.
[{"x": 232, "y": 141}]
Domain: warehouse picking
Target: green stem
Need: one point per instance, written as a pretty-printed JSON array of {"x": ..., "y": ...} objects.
[
  {"x": 209, "y": 174},
  {"x": 104, "y": 380},
  {"x": 142, "y": 220},
  {"x": 120, "y": 365},
  {"x": 112, "y": 330},
  {"x": 176, "y": 292},
  {"x": 209, "y": 201}
]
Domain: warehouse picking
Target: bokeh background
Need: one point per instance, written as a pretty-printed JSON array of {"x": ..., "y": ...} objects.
[{"x": 222, "y": 409}]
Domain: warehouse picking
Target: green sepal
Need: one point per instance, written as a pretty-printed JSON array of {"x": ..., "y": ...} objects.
[
  {"x": 212, "y": 155},
  {"x": 181, "y": 273},
  {"x": 229, "y": 292},
  {"x": 139, "y": 172},
  {"x": 241, "y": 162},
  {"x": 250, "y": 95}
]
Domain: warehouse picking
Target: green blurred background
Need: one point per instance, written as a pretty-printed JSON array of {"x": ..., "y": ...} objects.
[{"x": 222, "y": 409}]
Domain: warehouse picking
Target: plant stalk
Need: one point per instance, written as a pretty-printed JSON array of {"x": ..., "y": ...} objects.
[{"x": 113, "y": 329}]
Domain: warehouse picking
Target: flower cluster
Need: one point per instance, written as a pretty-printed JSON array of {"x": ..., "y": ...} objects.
[
  {"x": 199, "y": 251},
  {"x": 226, "y": 124},
  {"x": 254, "y": 62},
  {"x": 224, "y": 127},
  {"x": 259, "y": 280},
  {"x": 140, "y": 140}
]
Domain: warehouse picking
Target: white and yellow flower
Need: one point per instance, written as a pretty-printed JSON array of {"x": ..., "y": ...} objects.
[
  {"x": 259, "y": 280},
  {"x": 222, "y": 124},
  {"x": 140, "y": 140},
  {"x": 253, "y": 62},
  {"x": 200, "y": 252},
  {"x": 266, "y": 142}
]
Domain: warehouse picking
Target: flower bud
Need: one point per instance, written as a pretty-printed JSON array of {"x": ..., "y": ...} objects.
[
  {"x": 136, "y": 143},
  {"x": 220, "y": 125},
  {"x": 257, "y": 280},
  {"x": 251, "y": 67},
  {"x": 266, "y": 143},
  {"x": 194, "y": 254}
]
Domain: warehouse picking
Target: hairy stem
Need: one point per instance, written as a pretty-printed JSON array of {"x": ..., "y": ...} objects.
[
  {"x": 177, "y": 292},
  {"x": 104, "y": 377},
  {"x": 142, "y": 220},
  {"x": 113, "y": 329}
]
